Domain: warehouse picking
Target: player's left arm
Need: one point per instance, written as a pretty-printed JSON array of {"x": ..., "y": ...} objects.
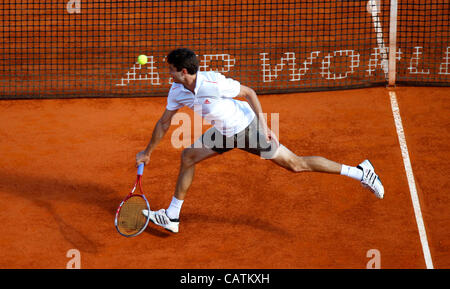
[{"x": 252, "y": 98}]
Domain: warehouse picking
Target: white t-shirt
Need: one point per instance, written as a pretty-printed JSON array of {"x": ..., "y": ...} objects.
[{"x": 213, "y": 100}]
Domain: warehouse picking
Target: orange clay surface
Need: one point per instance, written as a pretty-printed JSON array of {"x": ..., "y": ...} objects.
[{"x": 66, "y": 164}]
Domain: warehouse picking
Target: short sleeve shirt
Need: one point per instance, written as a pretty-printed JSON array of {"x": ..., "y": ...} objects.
[{"x": 214, "y": 101}]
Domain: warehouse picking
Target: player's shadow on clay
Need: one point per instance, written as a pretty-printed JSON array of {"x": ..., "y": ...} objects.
[
  {"x": 45, "y": 192},
  {"x": 245, "y": 221},
  {"x": 249, "y": 222}
]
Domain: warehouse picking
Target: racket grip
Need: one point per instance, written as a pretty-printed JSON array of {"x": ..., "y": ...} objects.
[{"x": 140, "y": 169}]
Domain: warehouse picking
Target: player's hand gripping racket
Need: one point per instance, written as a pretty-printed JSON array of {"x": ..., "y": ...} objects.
[{"x": 129, "y": 220}]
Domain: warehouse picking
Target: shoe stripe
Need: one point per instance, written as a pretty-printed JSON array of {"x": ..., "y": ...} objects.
[
  {"x": 160, "y": 219},
  {"x": 372, "y": 178}
]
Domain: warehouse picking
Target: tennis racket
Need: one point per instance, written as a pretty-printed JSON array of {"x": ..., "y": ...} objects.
[{"x": 129, "y": 220}]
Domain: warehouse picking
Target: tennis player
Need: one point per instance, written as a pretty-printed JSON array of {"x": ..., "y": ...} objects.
[{"x": 236, "y": 124}]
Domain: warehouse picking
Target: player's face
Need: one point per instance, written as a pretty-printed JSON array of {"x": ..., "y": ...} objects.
[{"x": 177, "y": 76}]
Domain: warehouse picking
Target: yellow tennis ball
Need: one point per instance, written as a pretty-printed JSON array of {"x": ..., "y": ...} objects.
[{"x": 142, "y": 59}]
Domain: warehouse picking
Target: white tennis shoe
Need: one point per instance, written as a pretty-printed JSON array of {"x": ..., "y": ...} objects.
[
  {"x": 370, "y": 179},
  {"x": 160, "y": 218}
]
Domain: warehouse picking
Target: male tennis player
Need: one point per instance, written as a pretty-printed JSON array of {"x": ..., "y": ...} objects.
[{"x": 235, "y": 124}]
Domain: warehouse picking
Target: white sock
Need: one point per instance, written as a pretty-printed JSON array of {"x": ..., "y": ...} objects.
[
  {"x": 173, "y": 212},
  {"x": 352, "y": 172}
]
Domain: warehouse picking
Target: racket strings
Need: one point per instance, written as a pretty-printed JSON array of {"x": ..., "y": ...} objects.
[{"x": 130, "y": 219}]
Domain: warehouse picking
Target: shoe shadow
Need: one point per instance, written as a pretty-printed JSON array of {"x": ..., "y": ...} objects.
[{"x": 157, "y": 232}]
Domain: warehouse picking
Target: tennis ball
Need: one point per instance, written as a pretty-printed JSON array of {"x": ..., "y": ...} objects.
[{"x": 142, "y": 59}]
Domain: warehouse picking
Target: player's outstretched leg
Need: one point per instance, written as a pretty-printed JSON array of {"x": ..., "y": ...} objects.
[
  {"x": 288, "y": 160},
  {"x": 364, "y": 172}
]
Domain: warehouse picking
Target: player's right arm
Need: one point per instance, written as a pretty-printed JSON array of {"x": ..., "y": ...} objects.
[{"x": 160, "y": 130}]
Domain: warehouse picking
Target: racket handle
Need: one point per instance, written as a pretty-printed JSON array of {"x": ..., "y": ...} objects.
[{"x": 140, "y": 169}]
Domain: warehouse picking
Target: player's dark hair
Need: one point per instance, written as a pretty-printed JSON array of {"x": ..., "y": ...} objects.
[{"x": 184, "y": 58}]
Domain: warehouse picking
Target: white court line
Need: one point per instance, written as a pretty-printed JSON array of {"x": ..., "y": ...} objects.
[
  {"x": 373, "y": 7},
  {"x": 411, "y": 182}
]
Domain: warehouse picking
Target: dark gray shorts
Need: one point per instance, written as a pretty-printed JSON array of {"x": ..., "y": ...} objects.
[{"x": 251, "y": 139}]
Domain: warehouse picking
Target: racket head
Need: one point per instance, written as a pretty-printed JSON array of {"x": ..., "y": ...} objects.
[{"x": 129, "y": 219}]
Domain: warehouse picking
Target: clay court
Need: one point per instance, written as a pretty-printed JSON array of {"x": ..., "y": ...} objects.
[
  {"x": 68, "y": 163},
  {"x": 68, "y": 159}
]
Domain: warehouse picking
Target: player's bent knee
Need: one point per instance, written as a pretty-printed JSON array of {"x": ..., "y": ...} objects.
[
  {"x": 300, "y": 165},
  {"x": 188, "y": 157},
  {"x": 288, "y": 160}
]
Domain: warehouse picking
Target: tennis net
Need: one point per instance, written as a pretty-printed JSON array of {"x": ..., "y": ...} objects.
[{"x": 78, "y": 48}]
